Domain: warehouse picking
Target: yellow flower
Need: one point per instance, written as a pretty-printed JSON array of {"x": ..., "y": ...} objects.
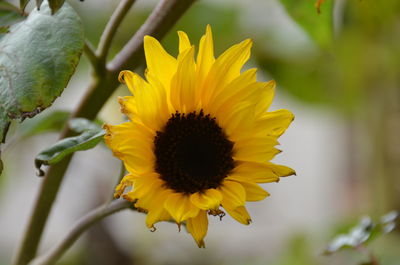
[{"x": 199, "y": 137}]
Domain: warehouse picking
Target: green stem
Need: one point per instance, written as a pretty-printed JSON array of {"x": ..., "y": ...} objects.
[
  {"x": 160, "y": 21},
  {"x": 47, "y": 194},
  {"x": 111, "y": 28},
  {"x": 89, "y": 52},
  {"x": 55, "y": 253},
  {"x": 102, "y": 86}
]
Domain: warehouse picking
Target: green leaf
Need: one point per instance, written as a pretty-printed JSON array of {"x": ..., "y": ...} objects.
[
  {"x": 9, "y": 14},
  {"x": 90, "y": 135},
  {"x": 37, "y": 59},
  {"x": 47, "y": 122},
  {"x": 55, "y": 5},
  {"x": 318, "y": 26}
]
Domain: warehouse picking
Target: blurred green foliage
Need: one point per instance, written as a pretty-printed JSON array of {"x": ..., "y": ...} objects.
[
  {"x": 298, "y": 251},
  {"x": 9, "y": 14},
  {"x": 318, "y": 25},
  {"x": 224, "y": 22},
  {"x": 363, "y": 54}
]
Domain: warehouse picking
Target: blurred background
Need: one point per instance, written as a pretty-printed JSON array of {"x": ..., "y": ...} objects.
[{"x": 337, "y": 71}]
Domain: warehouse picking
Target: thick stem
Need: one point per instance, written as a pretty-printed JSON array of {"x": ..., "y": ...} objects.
[
  {"x": 47, "y": 194},
  {"x": 89, "y": 52},
  {"x": 54, "y": 254},
  {"x": 103, "y": 85}
]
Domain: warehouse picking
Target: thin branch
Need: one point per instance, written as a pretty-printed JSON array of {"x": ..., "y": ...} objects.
[
  {"x": 90, "y": 54},
  {"x": 101, "y": 88},
  {"x": 111, "y": 28},
  {"x": 163, "y": 17},
  {"x": 55, "y": 253}
]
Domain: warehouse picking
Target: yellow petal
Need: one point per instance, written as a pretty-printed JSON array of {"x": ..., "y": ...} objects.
[
  {"x": 159, "y": 62},
  {"x": 180, "y": 207},
  {"x": 150, "y": 101},
  {"x": 152, "y": 204},
  {"x": 149, "y": 200},
  {"x": 232, "y": 60},
  {"x": 184, "y": 42},
  {"x": 254, "y": 192},
  {"x": 280, "y": 170},
  {"x": 163, "y": 92},
  {"x": 205, "y": 57},
  {"x": 123, "y": 141},
  {"x": 265, "y": 97},
  {"x": 128, "y": 133},
  {"x": 134, "y": 82},
  {"x": 183, "y": 93},
  {"x": 226, "y": 68},
  {"x": 137, "y": 164},
  {"x": 240, "y": 214},
  {"x": 250, "y": 171},
  {"x": 128, "y": 107},
  {"x": 238, "y": 122},
  {"x": 157, "y": 212},
  {"x": 249, "y": 95},
  {"x": 258, "y": 149},
  {"x": 156, "y": 215},
  {"x": 146, "y": 184},
  {"x": 197, "y": 227},
  {"x": 238, "y": 85},
  {"x": 233, "y": 194},
  {"x": 127, "y": 181},
  {"x": 141, "y": 189},
  {"x": 274, "y": 123},
  {"x": 207, "y": 200}
]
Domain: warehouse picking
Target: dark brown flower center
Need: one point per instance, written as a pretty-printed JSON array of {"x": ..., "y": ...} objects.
[{"x": 192, "y": 153}]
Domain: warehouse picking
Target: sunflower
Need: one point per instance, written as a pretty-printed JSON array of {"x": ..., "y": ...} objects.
[{"x": 199, "y": 138}]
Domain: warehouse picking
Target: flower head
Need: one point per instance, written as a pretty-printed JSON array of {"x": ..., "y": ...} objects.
[{"x": 199, "y": 139}]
